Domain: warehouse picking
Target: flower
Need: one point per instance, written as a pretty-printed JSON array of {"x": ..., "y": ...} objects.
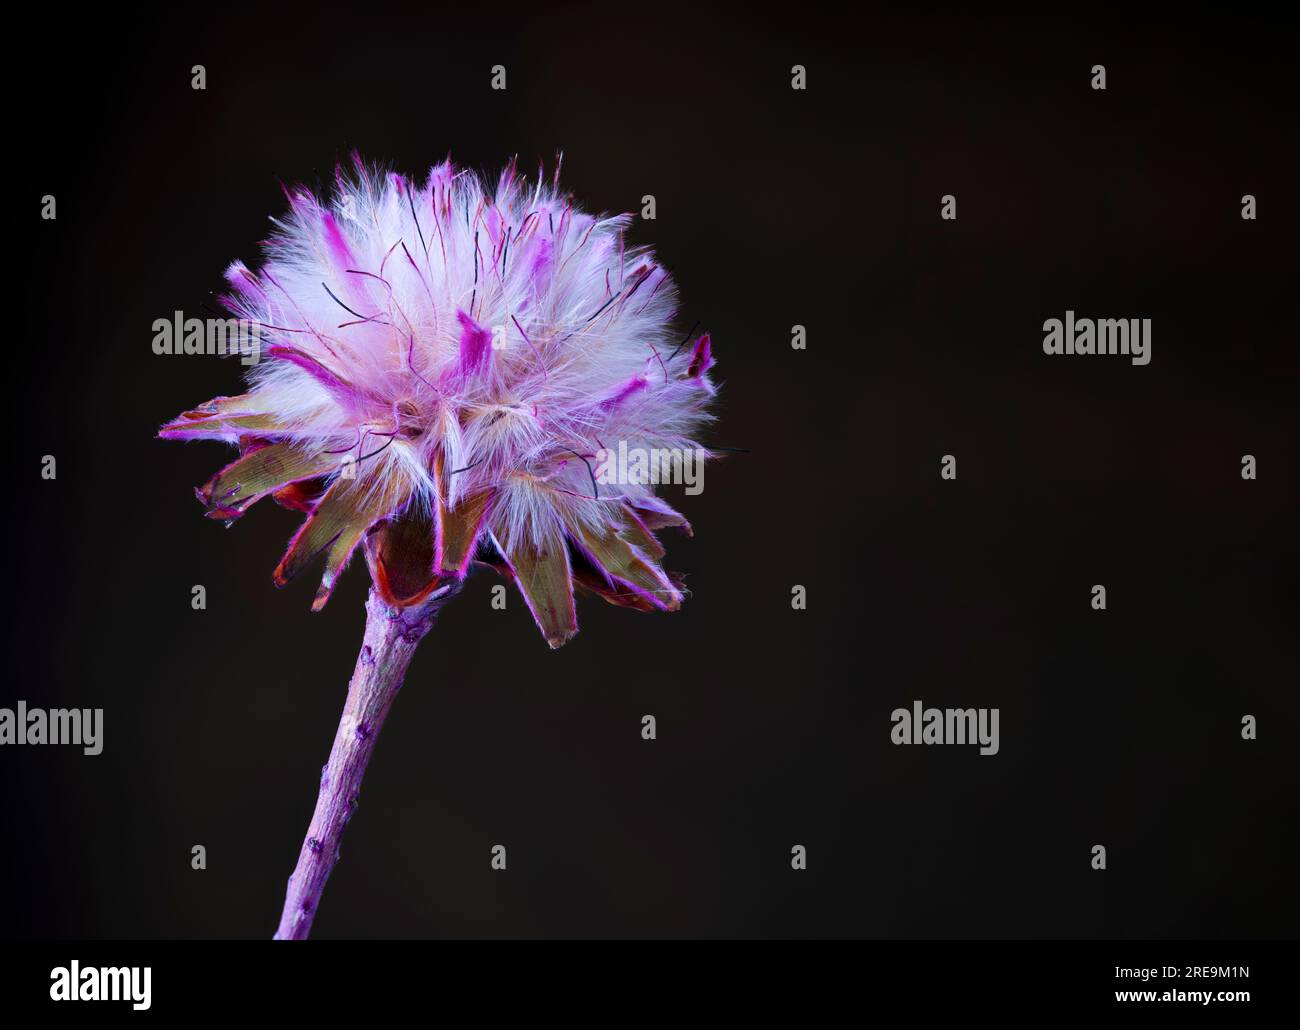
[{"x": 445, "y": 362}]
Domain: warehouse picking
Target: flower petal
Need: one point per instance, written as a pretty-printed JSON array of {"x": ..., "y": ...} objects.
[
  {"x": 341, "y": 518},
  {"x": 657, "y": 514},
  {"x": 461, "y": 528},
  {"x": 546, "y": 581},
  {"x": 302, "y": 496},
  {"x": 403, "y": 556},
  {"x": 588, "y": 580},
  {"x": 701, "y": 358},
  {"x": 625, "y": 565},
  {"x": 222, "y": 418},
  {"x": 475, "y": 347},
  {"x": 638, "y": 534},
  {"x": 260, "y": 470}
]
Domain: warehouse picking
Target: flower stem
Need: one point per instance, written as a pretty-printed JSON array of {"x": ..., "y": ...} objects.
[{"x": 392, "y": 635}]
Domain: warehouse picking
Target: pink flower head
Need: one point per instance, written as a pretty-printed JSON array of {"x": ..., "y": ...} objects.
[{"x": 445, "y": 363}]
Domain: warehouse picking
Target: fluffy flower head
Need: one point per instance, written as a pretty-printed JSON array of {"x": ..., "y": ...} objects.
[{"x": 443, "y": 365}]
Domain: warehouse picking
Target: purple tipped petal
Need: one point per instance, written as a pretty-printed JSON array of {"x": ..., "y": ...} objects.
[
  {"x": 632, "y": 387},
  {"x": 313, "y": 367},
  {"x": 539, "y": 269},
  {"x": 244, "y": 281},
  {"x": 702, "y": 359},
  {"x": 339, "y": 251}
]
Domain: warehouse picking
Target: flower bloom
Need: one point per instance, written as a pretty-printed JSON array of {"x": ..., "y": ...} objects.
[{"x": 444, "y": 363}]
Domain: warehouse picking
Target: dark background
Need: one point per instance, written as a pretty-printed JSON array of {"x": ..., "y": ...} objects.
[{"x": 775, "y": 207}]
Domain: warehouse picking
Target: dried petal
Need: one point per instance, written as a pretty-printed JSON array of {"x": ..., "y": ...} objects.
[
  {"x": 341, "y": 518},
  {"x": 546, "y": 581},
  {"x": 461, "y": 528},
  {"x": 403, "y": 557},
  {"x": 255, "y": 474},
  {"x": 658, "y": 514},
  {"x": 628, "y": 567},
  {"x": 635, "y": 532},
  {"x": 223, "y": 418},
  {"x": 303, "y": 496}
]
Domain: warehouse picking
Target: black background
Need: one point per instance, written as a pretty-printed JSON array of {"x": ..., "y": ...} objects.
[{"x": 775, "y": 207}]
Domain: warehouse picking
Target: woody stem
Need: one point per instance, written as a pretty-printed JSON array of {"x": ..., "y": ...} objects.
[{"x": 391, "y": 637}]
